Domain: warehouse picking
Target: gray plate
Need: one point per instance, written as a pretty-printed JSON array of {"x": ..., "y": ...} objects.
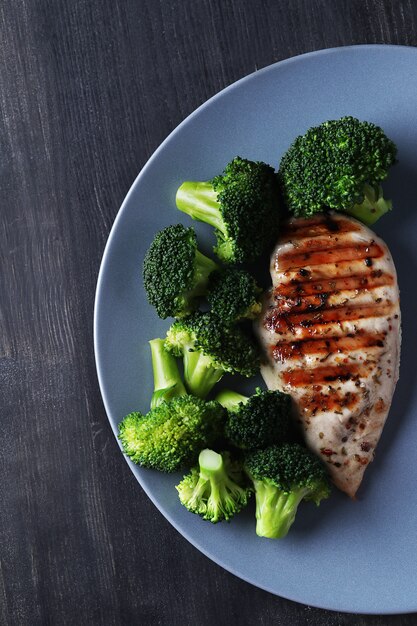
[{"x": 349, "y": 556}]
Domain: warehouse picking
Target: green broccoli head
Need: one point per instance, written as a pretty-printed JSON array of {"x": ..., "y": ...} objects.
[
  {"x": 210, "y": 349},
  {"x": 216, "y": 489},
  {"x": 172, "y": 434},
  {"x": 283, "y": 476},
  {"x": 175, "y": 272},
  {"x": 242, "y": 204},
  {"x": 259, "y": 421},
  {"x": 233, "y": 295},
  {"x": 338, "y": 165}
]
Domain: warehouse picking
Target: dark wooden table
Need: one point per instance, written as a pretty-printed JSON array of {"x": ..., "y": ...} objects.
[{"x": 88, "y": 90}]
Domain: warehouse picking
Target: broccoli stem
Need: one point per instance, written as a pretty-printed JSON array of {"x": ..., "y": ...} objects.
[
  {"x": 223, "y": 491},
  {"x": 200, "y": 376},
  {"x": 275, "y": 510},
  {"x": 372, "y": 207},
  {"x": 199, "y": 201},
  {"x": 167, "y": 380},
  {"x": 231, "y": 399},
  {"x": 211, "y": 464},
  {"x": 203, "y": 268}
]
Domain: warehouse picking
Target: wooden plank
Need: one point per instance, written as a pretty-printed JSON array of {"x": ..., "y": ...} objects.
[{"x": 88, "y": 90}]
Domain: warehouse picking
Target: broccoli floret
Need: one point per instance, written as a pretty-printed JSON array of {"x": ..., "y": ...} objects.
[
  {"x": 171, "y": 435},
  {"x": 233, "y": 295},
  {"x": 215, "y": 489},
  {"x": 178, "y": 425},
  {"x": 242, "y": 204},
  {"x": 338, "y": 165},
  {"x": 259, "y": 421},
  {"x": 175, "y": 272},
  {"x": 210, "y": 349},
  {"x": 167, "y": 381},
  {"x": 283, "y": 475}
]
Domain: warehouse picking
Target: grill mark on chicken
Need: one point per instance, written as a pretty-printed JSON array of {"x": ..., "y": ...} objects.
[
  {"x": 311, "y": 404},
  {"x": 313, "y": 244},
  {"x": 342, "y": 269},
  {"x": 326, "y": 374},
  {"x": 281, "y": 323},
  {"x": 331, "y": 331},
  {"x": 294, "y": 258},
  {"x": 363, "y": 281},
  {"x": 285, "y": 350},
  {"x": 323, "y": 301}
]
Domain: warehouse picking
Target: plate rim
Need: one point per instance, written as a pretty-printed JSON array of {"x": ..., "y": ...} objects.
[{"x": 99, "y": 294}]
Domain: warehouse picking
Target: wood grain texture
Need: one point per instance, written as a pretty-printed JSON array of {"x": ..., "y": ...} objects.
[{"x": 88, "y": 90}]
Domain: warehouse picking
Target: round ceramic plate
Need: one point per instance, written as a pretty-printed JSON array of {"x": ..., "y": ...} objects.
[{"x": 349, "y": 556}]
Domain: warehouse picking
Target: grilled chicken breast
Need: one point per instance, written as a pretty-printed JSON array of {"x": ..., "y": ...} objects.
[{"x": 330, "y": 328}]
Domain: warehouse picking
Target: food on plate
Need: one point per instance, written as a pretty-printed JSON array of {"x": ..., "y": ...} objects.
[
  {"x": 209, "y": 349},
  {"x": 338, "y": 165},
  {"x": 233, "y": 295},
  {"x": 175, "y": 272},
  {"x": 331, "y": 332},
  {"x": 283, "y": 476},
  {"x": 216, "y": 489},
  {"x": 329, "y": 328},
  {"x": 172, "y": 434},
  {"x": 241, "y": 204},
  {"x": 258, "y": 421}
]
